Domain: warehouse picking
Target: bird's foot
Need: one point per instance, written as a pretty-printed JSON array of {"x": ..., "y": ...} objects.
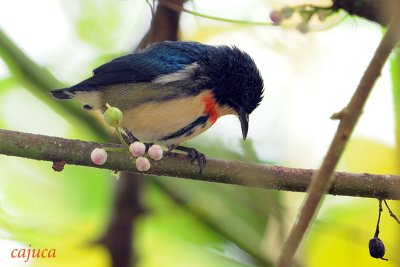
[
  {"x": 148, "y": 145},
  {"x": 193, "y": 155},
  {"x": 130, "y": 136},
  {"x": 131, "y": 139}
]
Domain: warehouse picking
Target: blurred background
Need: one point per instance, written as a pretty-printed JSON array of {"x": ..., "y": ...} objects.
[{"x": 176, "y": 222}]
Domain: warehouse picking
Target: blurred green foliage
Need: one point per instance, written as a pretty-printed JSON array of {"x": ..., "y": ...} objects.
[
  {"x": 96, "y": 20},
  {"x": 395, "y": 73}
]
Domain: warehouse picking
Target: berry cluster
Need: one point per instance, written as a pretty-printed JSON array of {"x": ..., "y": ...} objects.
[
  {"x": 113, "y": 117},
  {"x": 304, "y": 12}
]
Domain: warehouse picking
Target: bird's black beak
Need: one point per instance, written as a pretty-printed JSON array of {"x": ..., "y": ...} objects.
[{"x": 244, "y": 122}]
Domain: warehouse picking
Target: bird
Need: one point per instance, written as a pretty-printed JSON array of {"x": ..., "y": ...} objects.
[{"x": 172, "y": 91}]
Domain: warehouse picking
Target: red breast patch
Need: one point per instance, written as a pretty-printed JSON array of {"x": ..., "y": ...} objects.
[{"x": 210, "y": 107}]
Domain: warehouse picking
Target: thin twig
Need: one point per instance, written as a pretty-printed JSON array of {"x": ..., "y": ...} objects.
[
  {"x": 164, "y": 25},
  {"x": 174, "y": 6},
  {"x": 321, "y": 179},
  {"x": 391, "y": 212},
  {"x": 376, "y": 235},
  {"x": 249, "y": 174},
  {"x": 152, "y": 7},
  {"x": 379, "y": 218},
  {"x": 121, "y": 139}
]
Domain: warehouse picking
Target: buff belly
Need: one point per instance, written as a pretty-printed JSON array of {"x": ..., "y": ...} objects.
[{"x": 152, "y": 122}]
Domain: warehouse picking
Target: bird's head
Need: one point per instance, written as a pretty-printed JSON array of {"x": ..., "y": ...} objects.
[{"x": 235, "y": 81}]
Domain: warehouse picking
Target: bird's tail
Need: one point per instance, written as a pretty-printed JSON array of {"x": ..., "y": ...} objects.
[{"x": 64, "y": 93}]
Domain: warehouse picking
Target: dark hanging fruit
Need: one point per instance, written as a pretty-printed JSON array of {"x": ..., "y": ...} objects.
[{"x": 376, "y": 248}]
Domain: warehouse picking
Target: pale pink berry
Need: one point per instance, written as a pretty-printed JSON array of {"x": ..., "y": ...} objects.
[
  {"x": 137, "y": 149},
  {"x": 98, "y": 156},
  {"x": 142, "y": 164},
  {"x": 276, "y": 16},
  {"x": 156, "y": 152}
]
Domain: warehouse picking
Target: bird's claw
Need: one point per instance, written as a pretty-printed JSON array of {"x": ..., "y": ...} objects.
[
  {"x": 130, "y": 136},
  {"x": 148, "y": 145},
  {"x": 197, "y": 156}
]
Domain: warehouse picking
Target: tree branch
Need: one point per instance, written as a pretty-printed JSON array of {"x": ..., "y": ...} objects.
[
  {"x": 75, "y": 152},
  {"x": 164, "y": 25},
  {"x": 379, "y": 11},
  {"x": 349, "y": 116}
]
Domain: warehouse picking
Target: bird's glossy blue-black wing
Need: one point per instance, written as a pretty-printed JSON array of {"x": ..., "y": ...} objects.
[{"x": 146, "y": 65}]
